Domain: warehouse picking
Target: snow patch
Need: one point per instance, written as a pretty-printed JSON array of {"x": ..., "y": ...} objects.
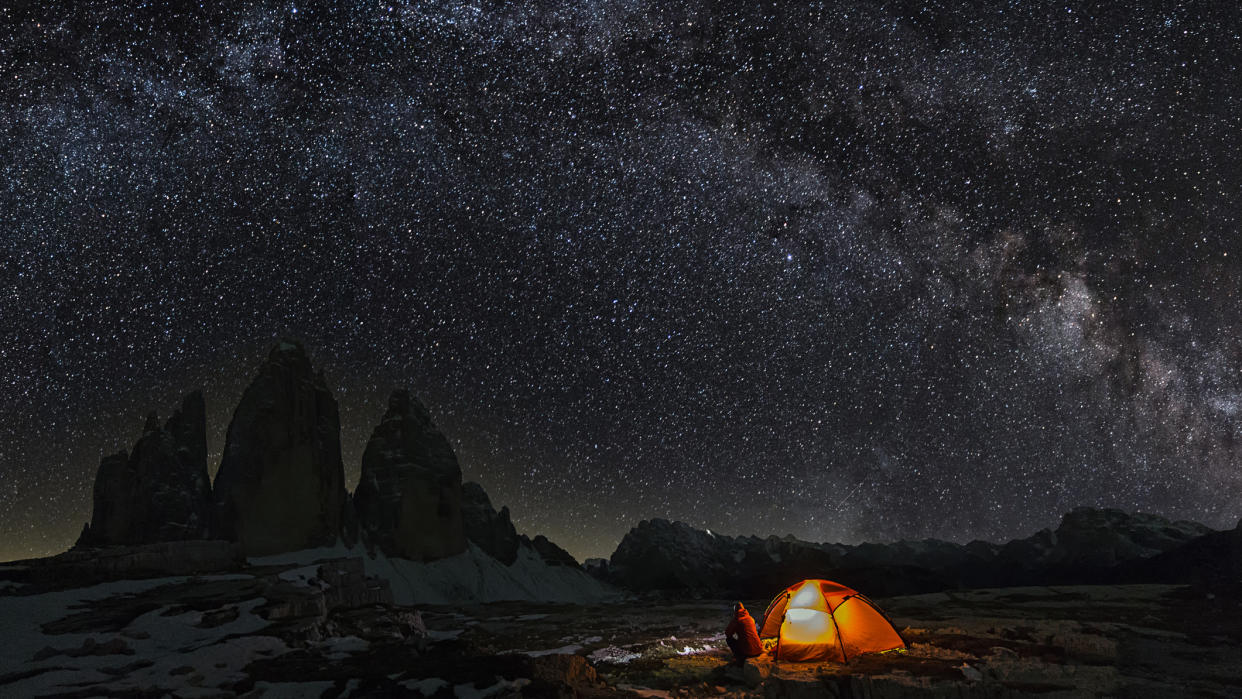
[
  {"x": 468, "y": 577},
  {"x": 305, "y": 576},
  {"x": 341, "y": 647},
  {"x": 613, "y": 655},
  {"x": 307, "y": 557},
  {"x": 182, "y": 631},
  {"x": 213, "y": 656}
]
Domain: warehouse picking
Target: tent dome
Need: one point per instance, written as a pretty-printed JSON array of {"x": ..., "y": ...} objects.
[{"x": 824, "y": 620}]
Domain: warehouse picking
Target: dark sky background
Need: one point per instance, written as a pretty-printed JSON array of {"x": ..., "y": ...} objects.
[{"x": 847, "y": 270}]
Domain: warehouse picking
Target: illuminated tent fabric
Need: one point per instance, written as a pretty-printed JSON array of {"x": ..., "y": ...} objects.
[{"x": 821, "y": 620}]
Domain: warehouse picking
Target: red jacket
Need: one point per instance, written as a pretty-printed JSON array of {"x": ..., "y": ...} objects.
[{"x": 742, "y": 629}]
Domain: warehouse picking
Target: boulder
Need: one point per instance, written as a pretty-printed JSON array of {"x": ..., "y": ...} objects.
[
  {"x": 347, "y": 584},
  {"x": 160, "y": 491},
  {"x": 563, "y": 675},
  {"x": 491, "y": 531},
  {"x": 281, "y": 484},
  {"x": 747, "y": 675},
  {"x": 409, "y": 498}
]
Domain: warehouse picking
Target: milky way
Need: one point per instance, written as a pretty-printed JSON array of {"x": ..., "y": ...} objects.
[{"x": 843, "y": 270}]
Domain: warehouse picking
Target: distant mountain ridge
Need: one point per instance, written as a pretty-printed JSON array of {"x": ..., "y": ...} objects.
[{"x": 1088, "y": 546}]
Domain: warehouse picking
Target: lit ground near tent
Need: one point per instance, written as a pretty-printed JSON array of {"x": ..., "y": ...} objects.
[{"x": 1047, "y": 642}]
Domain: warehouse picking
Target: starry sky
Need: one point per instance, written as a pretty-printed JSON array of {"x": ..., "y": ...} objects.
[{"x": 846, "y": 270}]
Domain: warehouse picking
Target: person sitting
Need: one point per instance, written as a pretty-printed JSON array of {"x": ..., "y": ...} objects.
[{"x": 742, "y": 636}]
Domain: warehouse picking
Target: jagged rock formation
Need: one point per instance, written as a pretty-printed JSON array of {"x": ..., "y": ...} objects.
[
  {"x": 1089, "y": 546},
  {"x": 117, "y": 504},
  {"x": 1210, "y": 560},
  {"x": 281, "y": 484},
  {"x": 494, "y": 533},
  {"x": 409, "y": 498},
  {"x": 489, "y": 530},
  {"x": 161, "y": 491},
  {"x": 551, "y": 554},
  {"x": 1091, "y": 539},
  {"x": 664, "y": 555}
]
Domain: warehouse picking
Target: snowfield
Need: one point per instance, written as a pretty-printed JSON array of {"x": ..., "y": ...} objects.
[
  {"x": 469, "y": 577},
  {"x": 180, "y": 654}
]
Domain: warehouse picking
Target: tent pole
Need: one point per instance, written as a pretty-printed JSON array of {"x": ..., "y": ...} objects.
[{"x": 840, "y": 641}]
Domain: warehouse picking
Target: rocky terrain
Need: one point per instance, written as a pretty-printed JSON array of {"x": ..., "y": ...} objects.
[
  {"x": 1089, "y": 546},
  {"x": 326, "y": 629}
]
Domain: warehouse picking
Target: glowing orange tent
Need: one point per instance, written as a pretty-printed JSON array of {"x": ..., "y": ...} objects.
[{"x": 821, "y": 620}]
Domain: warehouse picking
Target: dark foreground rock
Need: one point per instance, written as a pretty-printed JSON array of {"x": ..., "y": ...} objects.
[
  {"x": 160, "y": 491},
  {"x": 281, "y": 484},
  {"x": 409, "y": 497}
]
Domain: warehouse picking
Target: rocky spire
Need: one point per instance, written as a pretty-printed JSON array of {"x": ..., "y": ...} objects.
[
  {"x": 281, "y": 485},
  {"x": 490, "y": 530},
  {"x": 160, "y": 492},
  {"x": 409, "y": 500}
]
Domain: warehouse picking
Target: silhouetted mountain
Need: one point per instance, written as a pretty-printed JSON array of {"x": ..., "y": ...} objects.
[
  {"x": 161, "y": 491},
  {"x": 489, "y": 530},
  {"x": 1089, "y": 546},
  {"x": 409, "y": 498},
  {"x": 281, "y": 484},
  {"x": 281, "y": 489},
  {"x": 1209, "y": 560},
  {"x": 494, "y": 533}
]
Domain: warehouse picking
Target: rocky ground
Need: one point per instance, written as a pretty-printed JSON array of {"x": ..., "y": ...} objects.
[{"x": 325, "y": 630}]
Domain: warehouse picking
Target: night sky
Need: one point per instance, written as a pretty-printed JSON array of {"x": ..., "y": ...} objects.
[{"x": 851, "y": 271}]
